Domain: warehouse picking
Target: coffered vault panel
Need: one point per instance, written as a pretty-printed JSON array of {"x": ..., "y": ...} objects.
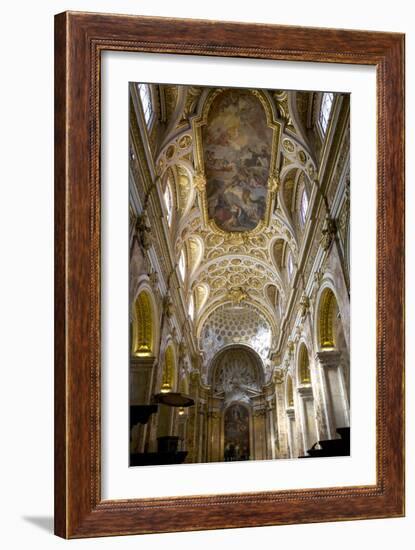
[{"x": 233, "y": 324}]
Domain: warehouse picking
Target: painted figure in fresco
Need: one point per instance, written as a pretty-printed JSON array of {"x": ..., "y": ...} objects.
[{"x": 237, "y": 152}]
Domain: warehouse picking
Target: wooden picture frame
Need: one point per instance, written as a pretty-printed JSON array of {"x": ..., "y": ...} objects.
[{"x": 79, "y": 40}]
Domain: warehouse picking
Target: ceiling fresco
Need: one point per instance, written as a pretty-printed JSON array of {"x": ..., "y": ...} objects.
[
  {"x": 228, "y": 148},
  {"x": 237, "y": 152}
]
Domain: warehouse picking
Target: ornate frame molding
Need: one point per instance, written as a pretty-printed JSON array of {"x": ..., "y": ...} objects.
[{"x": 79, "y": 509}]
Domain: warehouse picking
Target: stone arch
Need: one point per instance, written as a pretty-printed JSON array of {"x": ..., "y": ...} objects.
[
  {"x": 341, "y": 329},
  {"x": 332, "y": 358},
  {"x": 253, "y": 360},
  {"x": 201, "y": 294},
  {"x": 169, "y": 373},
  {"x": 195, "y": 250},
  {"x": 144, "y": 325},
  {"x": 272, "y": 293},
  {"x": 327, "y": 310},
  {"x": 281, "y": 251},
  {"x": 305, "y": 400},
  {"x": 303, "y": 365}
]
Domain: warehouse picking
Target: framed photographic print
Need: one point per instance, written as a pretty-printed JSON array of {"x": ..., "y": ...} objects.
[{"x": 229, "y": 213}]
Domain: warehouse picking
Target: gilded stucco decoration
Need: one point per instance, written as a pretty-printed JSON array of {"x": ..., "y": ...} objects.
[
  {"x": 194, "y": 253},
  {"x": 184, "y": 189},
  {"x": 178, "y": 151},
  {"x": 201, "y": 293}
]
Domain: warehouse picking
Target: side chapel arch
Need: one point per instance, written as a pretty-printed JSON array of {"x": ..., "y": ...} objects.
[
  {"x": 327, "y": 311},
  {"x": 168, "y": 380},
  {"x": 144, "y": 325},
  {"x": 303, "y": 368},
  {"x": 333, "y": 360}
]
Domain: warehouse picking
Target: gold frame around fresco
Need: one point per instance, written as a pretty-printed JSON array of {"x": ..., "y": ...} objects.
[{"x": 200, "y": 178}]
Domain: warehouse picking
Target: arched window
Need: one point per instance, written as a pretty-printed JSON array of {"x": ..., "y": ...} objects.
[
  {"x": 327, "y": 311},
  {"x": 290, "y": 392},
  {"x": 191, "y": 309},
  {"x": 325, "y": 110},
  {"x": 290, "y": 265},
  {"x": 145, "y": 96},
  {"x": 304, "y": 366},
  {"x": 168, "y": 201},
  {"x": 303, "y": 207},
  {"x": 182, "y": 265},
  {"x": 143, "y": 333}
]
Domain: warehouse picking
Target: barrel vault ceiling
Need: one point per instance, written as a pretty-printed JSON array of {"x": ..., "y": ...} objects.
[{"x": 235, "y": 255}]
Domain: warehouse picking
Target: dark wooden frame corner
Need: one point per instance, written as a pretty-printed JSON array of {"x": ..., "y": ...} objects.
[{"x": 79, "y": 40}]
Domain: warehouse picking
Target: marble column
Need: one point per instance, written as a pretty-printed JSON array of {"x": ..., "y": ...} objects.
[
  {"x": 259, "y": 434},
  {"x": 270, "y": 430},
  {"x": 214, "y": 436},
  {"x": 192, "y": 426},
  {"x": 140, "y": 382},
  {"x": 307, "y": 417},
  {"x": 201, "y": 433},
  {"x": 281, "y": 425},
  {"x": 334, "y": 394},
  {"x": 292, "y": 433}
]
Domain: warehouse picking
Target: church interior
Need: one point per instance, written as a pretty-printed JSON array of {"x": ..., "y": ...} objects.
[{"x": 239, "y": 275}]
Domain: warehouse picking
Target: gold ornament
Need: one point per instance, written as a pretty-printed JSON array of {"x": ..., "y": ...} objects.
[{"x": 237, "y": 295}]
